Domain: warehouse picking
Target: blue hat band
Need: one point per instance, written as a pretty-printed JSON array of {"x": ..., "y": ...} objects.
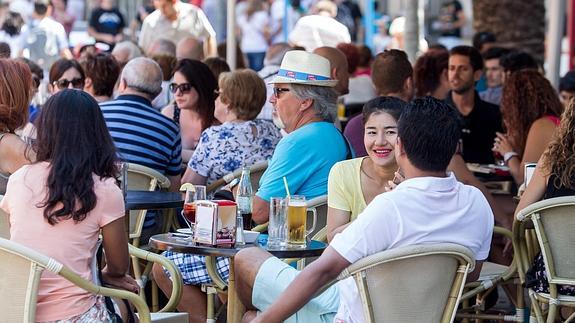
[{"x": 300, "y": 76}]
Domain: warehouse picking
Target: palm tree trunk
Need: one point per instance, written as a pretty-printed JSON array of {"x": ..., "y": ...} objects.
[{"x": 517, "y": 24}]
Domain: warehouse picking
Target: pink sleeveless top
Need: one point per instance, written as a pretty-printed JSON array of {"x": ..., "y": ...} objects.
[{"x": 556, "y": 120}]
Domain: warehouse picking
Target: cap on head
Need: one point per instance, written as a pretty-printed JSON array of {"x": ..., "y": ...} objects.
[{"x": 301, "y": 67}]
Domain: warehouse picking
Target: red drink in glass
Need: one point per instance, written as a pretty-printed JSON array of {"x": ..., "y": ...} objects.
[{"x": 190, "y": 212}]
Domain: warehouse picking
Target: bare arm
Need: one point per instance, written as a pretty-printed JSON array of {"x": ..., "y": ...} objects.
[
  {"x": 192, "y": 177},
  {"x": 175, "y": 183},
  {"x": 117, "y": 257},
  {"x": 101, "y": 36},
  {"x": 337, "y": 221},
  {"x": 303, "y": 288},
  {"x": 211, "y": 49},
  {"x": 260, "y": 210},
  {"x": 15, "y": 153}
]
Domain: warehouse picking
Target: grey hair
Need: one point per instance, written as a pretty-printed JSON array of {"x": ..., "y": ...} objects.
[
  {"x": 324, "y": 99},
  {"x": 143, "y": 75},
  {"x": 132, "y": 49}
]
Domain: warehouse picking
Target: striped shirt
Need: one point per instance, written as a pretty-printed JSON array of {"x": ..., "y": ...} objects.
[{"x": 143, "y": 135}]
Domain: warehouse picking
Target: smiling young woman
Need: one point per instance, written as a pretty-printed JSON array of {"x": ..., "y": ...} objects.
[{"x": 354, "y": 183}]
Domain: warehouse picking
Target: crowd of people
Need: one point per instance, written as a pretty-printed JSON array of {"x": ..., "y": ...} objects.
[{"x": 394, "y": 171}]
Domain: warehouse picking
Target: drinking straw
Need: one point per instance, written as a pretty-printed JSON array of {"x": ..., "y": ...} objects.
[{"x": 286, "y": 186}]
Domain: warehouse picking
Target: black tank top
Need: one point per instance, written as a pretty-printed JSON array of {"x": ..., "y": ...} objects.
[{"x": 552, "y": 191}]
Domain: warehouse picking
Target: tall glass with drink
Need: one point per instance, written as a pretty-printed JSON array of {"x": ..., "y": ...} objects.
[
  {"x": 297, "y": 221},
  {"x": 193, "y": 193}
]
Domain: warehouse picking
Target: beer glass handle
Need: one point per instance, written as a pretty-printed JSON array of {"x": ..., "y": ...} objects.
[{"x": 314, "y": 212}]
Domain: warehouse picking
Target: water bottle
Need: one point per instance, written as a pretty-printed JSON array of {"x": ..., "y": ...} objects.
[
  {"x": 244, "y": 198},
  {"x": 240, "y": 240}
]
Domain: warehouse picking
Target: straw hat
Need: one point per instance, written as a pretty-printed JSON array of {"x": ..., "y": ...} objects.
[{"x": 301, "y": 67}]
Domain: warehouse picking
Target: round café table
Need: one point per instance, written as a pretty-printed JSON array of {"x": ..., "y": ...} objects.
[{"x": 179, "y": 243}]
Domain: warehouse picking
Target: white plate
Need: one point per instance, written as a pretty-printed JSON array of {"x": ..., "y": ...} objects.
[
  {"x": 251, "y": 236},
  {"x": 184, "y": 231}
]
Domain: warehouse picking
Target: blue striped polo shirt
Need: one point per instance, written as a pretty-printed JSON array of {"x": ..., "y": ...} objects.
[{"x": 143, "y": 135}]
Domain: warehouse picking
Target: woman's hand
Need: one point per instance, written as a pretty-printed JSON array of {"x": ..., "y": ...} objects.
[
  {"x": 502, "y": 144},
  {"x": 124, "y": 282},
  {"x": 397, "y": 179}
]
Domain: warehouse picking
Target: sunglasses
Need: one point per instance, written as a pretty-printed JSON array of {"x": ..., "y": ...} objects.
[
  {"x": 279, "y": 90},
  {"x": 184, "y": 87},
  {"x": 77, "y": 83}
]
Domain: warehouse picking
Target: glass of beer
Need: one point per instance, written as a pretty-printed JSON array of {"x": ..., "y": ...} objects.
[{"x": 297, "y": 222}]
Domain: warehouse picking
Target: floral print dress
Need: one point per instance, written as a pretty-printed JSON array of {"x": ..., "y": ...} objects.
[{"x": 224, "y": 148}]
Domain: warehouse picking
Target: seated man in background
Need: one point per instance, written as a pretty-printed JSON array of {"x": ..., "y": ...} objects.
[{"x": 429, "y": 206}]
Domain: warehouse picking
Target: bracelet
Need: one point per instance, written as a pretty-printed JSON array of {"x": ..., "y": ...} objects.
[{"x": 508, "y": 155}]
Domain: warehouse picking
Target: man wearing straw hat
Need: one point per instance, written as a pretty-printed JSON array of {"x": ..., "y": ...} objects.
[
  {"x": 304, "y": 102},
  {"x": 429, "y": 206}
]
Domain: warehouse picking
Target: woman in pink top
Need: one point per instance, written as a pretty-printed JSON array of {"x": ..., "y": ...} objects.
[
  {"x": 531, "y": 112},
  {"x": 60, "y": 204}
]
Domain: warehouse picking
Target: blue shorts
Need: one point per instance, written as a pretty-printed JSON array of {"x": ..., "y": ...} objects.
[{"x": 274, "y": 276}]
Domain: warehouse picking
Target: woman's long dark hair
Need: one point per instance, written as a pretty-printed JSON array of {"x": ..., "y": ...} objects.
[
  {"x": 202, "y": 79},
  {"x": 74, "y": 139}
]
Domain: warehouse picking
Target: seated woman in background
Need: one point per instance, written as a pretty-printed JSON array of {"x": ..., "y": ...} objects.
[
  {"x": 554, "y": 176},
  {"x": 531, "y": 111},
  {"x": 193, "y": 108},
  {"x": 65, "y": 74},
  {"x": 59, "y": 205},
  {"x": 241, "y": 139},
  {"x": 354, "y": 183},
  {"x": 15, "y": 94}
]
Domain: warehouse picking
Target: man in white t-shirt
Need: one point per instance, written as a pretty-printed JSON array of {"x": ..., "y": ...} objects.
[
  {"x": 175, "y": 20},
  {"x": 429, "y": 206},
  {"x": 319, "y": 29}
]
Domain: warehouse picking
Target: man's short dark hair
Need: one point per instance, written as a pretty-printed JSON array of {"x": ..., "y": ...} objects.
[
  {"x": 481, "y": 38},
  {"x": 41, "y": 6},
  {"x": 103, "y": 70},
  {"x": 429, "y": 130},
  {"x": 495, "y": 52},
  {"x": 389, "y": 71},
  {"x": 475, "y": 58},
  {"x": 517, "y": 60},
  {"x": 567, "y": 82}
]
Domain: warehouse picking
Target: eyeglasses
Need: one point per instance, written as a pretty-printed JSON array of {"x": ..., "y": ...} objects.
[
  {"x": 184, "y": 87},
  {"x": 280, "y": 90},
  {"x": 77, "y": 83}
]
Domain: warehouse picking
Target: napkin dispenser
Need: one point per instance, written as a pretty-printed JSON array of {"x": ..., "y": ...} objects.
[{"x": 215, "y": 223}]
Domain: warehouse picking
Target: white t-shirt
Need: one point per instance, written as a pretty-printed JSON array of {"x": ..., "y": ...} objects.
[
  {"x": 315, "y": 31},
  {"x": 420, "y": 210},
  {"x": 361, "y": 89},
  {"x": 253, "y": 40},
  {"x": 277, "y": 12},
  {"x": 191, "y": 21}
]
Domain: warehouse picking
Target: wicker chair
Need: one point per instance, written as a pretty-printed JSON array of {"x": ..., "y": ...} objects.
[
  {"x": 4, "y": 224},
  {"x": 20, "y": 275},
  {"x": 420, "y": 283},
  {"x": 256, "y": 172},
  {"x": 553, "y": 221},
  {"x": 493, "y": 275},
  {"x": 142, "y": 178}
]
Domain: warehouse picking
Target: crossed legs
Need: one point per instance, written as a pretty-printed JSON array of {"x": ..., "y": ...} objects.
[{"x": 247, "y": 263}]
